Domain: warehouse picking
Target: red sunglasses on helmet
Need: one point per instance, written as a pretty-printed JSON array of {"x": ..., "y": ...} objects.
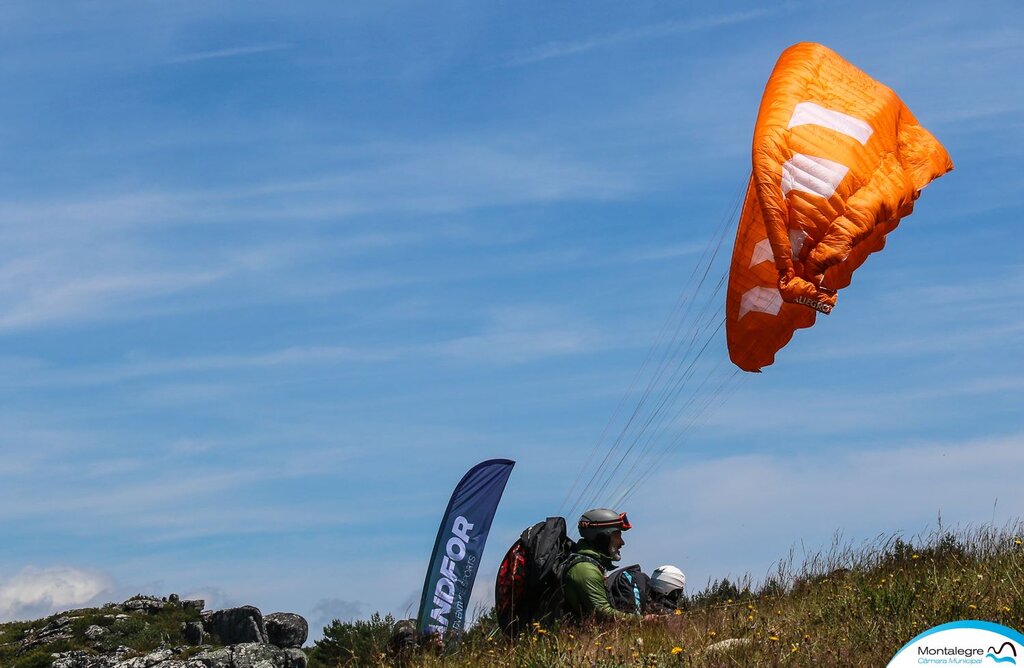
[{"x": 621, "y": 522}]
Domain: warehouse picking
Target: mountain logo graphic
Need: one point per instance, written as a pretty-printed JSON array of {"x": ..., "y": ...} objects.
[
  {"x": 972, "y": 641},
  {"x": 994, "y": 653}
]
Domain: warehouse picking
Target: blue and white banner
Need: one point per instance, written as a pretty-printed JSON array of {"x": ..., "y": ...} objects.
[
  {"x": 966, "y": 643},
  {"x": 459, "y": 547}
]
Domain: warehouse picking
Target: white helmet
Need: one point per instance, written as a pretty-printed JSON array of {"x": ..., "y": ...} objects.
[{"x": 667, "y": 579}]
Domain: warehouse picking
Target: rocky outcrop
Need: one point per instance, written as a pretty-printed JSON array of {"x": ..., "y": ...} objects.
[
  {"x": 231, "y": 638},
  {"x": 251, "y": 655},
  {"x": 194, "y": 632},
  {"x": 286, "y": 629},
  {"x": 233, "y": 626}
]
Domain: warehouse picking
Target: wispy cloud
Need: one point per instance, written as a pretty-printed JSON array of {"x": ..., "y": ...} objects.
[
  {"x": 136, "y": 367},
  {"x": 959, "y": 315},
  {"x": 328, "y": 609},
  {"x": 515, "y": 346},
  {"x": 568, "y": 48},
  {"x": 85, "y": 297},
  {"x": 461, "y": 174},
  {"x": 512, "y": 335},
  {"x": 234, "y": 52}
]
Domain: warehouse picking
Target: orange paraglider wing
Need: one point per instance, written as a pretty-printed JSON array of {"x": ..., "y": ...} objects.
[{"x": 838, "y": 159}]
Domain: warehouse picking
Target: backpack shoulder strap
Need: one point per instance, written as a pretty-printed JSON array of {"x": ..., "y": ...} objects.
[{"x": 577, "y": 558}]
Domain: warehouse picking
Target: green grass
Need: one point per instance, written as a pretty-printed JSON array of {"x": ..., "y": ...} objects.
[
  {"x": 847, "y": 606},
  {"x": 140, "y": 631}
]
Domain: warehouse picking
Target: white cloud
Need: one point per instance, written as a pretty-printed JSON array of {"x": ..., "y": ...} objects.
[
  {"x": 445, "y": 175},
  {"x": 228, "y": 53},
  {"x": 512, "y": 335},
  {"x": 566, "y": 48},
  {"x": 521, "y": 335},
  {"x": 37, "y": 592},
  {"x": 99, "y": 258},
  {"x": 734, "y": 515},
  {"x": 59, "y": 298}
]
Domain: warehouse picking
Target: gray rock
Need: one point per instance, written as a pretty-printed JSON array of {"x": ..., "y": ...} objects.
[
  {"x": 237, "y": 625},
  {"x": 244, "y": 655},
  {"x": 83, "y": 659},
  {"x": 259, "y": 655},
  {"x": 95, "y": 632},
  {"x": 286, "y": 629},
  {"x": 216, "y": 658},
  {"x": 79, "y": 659},
  {"x": 47, "y": 638},
  {"x": 193, "y": 632},
  {"x": 122, "y": 653},
  {"x": 58, "y": 629},
  {"x": 195, "y": 604},
  {"x": 296, "y": 658},
  {"x": 143, "y": 604},
  {"x": 148, "y": 661}
]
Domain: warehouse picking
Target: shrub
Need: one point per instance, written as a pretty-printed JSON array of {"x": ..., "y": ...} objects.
[
  {"x": 359, "y": 643},
  {"x": 721, "y": 591}
]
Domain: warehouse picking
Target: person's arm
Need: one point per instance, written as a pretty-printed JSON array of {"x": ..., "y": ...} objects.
[{"x": 587, "y": 579}]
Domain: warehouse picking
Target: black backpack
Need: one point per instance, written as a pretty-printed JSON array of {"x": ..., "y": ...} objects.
[
  {"x": 629, "y": 589},
  {"x": 529, "y": 584}
]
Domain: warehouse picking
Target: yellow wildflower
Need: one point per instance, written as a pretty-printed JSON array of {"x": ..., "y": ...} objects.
[
  {"x": 677, "y": 612},
  {"x": 916, "y": 556},
  {"x": 773, "y": 638},
  {"x": 677, "y": 650},
  {"x": 972, "y": 606}
]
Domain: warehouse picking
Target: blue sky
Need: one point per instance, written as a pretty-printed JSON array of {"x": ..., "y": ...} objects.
[{"x": 272, "y": 278}]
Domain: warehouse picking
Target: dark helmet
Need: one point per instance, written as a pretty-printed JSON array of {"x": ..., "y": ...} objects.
[{"x": 602, "y": 521}]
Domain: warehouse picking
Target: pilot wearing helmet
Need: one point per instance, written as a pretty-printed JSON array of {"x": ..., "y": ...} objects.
[{"x": 599, "y": 547}]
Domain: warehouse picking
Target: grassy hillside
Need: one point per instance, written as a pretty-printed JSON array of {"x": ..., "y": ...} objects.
[
  {"x": 849, "y": 606},
  {"x": 31, "y": 644}
]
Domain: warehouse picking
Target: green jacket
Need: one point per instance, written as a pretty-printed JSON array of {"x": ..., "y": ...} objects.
[{"x": 584, "y": 588}]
